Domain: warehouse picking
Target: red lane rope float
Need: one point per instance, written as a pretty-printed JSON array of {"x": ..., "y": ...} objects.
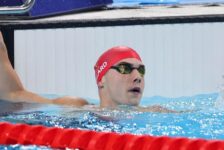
[{"x": 91, "y": 140}]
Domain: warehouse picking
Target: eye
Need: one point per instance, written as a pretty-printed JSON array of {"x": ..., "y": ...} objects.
[
  {"x": 141, "y": 70},
  {"x": 122, "y": 68}
]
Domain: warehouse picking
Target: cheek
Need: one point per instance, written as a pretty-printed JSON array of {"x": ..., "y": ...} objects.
[
  {"x": 143, "y": 83},
  {"x": 115, "y": 82}
]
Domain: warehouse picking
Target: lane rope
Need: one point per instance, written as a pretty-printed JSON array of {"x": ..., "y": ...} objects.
[{"x": 55, "y": 137}]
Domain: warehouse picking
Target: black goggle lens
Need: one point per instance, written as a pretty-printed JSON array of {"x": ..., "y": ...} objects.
[{"x": 126, "y": 68}]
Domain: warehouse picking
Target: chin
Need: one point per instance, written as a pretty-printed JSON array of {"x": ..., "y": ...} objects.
[
  {"x": 134, "y": 103},
  {"x": 136, "y": 100}
]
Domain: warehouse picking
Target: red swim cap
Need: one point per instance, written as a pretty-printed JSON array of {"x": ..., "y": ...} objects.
[{"x": 111, "y": 57}]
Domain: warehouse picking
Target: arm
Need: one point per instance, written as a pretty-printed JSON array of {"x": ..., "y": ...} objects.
[
  {"x": 11, "y": 88},
  {"x": 9, "y": 80},
  {"x": 27, "y": 96}
]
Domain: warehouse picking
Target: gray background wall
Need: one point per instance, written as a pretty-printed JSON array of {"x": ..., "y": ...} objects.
[{"x": 181, "y": 59}]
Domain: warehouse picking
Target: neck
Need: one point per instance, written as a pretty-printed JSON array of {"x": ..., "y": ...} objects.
[{"x": 106, "y": 101}]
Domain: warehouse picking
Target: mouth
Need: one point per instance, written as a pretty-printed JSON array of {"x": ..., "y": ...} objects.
[{"x": 135, "y": 90}]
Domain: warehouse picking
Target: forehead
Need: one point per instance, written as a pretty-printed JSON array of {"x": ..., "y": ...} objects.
[{"x": 133, "y": 61}]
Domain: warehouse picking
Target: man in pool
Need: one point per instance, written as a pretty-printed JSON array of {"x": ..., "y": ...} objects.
[{"x": 119, "y": 75}]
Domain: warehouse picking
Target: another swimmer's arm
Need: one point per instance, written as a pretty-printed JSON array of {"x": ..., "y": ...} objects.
[
  {"x": 26, "y": 96},
  {"x": 9, "y": 80},
  {"x": 23, "y": 96},
  {"x": 11, "y": 88},
  {"x": 70, "y": 101}
]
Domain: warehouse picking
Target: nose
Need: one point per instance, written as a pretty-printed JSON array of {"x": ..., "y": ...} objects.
[
  {"x": 137, "y": 80},
  {"x": 137, "y": 77}
]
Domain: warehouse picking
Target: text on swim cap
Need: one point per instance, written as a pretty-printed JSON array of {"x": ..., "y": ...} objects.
[{"x": 103, "y": 66}]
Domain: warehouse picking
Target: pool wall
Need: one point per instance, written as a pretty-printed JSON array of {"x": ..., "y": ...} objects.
[{"x": 181, "y": 58}]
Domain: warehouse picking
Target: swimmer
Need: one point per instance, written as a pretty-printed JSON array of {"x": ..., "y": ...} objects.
[{"x": 119, "y": 74}]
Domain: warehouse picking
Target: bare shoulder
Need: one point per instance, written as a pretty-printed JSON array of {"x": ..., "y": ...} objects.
[
  {"x": 156, "y": 108},
  {"x": 70, "y": 101}
]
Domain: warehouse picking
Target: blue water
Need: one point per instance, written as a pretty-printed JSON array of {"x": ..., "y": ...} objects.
[{"x": 199, "y": 117}]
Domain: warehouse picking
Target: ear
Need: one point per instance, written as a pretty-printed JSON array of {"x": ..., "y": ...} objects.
[{"x": 101, "y": 83}]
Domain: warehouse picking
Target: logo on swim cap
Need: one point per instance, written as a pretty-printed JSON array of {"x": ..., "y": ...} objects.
[
  {"x": 111, "y": 57},
  {"x": 103, "y": 66}
]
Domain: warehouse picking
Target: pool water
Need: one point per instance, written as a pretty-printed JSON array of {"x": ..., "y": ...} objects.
[
  {"x": 199, "y": 117},
  {"x": 21, "y": 147}
]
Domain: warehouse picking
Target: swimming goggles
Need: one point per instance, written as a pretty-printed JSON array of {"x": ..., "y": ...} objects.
[{"x": 127, "y": 68}]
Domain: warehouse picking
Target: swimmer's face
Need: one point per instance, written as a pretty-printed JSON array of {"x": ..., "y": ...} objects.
[{"x": 124, "y": 85}]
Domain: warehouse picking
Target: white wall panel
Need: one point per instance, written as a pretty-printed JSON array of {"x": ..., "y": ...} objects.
[{"x": 181, "y": 59}]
